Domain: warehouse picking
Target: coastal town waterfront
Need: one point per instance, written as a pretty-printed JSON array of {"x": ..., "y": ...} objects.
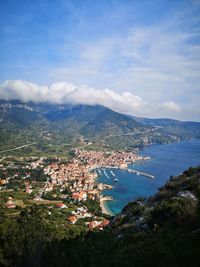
[
  {"x": 71, "y": 184},
  {"x": 94, "y": 177}
]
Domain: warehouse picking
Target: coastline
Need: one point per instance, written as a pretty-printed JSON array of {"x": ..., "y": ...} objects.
[
  {"x": 105, "y": 209},
  {"x": 167, "y": 159},
  {"x": 94, "y": 169}
]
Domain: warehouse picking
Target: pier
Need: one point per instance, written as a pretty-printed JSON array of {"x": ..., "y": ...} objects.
[
  {"x": 105, "y": 198},
  {"x": 141, "y": 173}
]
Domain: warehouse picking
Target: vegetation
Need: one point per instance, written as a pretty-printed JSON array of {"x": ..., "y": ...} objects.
[
  {"x": 93, "y": 207},
  {"x": 160, "y": 231},
  {"x": 51, "y": 130},
  {"x": 163, "y": 230}
]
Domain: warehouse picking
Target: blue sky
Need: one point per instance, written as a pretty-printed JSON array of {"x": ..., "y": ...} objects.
[{"x": 144, "y": 56}]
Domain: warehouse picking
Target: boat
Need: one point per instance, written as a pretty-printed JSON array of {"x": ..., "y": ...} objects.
[
  {"x": 112, "y": 173},
  {"x": 106, "y": 174},
  {"x": 116, "y": 180},
  {"x": 100, "y": 172}
]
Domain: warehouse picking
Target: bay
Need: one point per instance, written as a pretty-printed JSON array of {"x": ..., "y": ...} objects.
[{"x": 166, "y": 160}]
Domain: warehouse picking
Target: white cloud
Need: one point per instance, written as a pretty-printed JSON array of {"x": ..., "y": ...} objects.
[
  {"x": 63, "y": 92},
  {"x": 171, "y": 106}
]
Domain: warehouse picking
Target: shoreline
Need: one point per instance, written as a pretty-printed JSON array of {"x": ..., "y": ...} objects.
[
  {"x": 105, "y": 209},
  {"x": 103, "y": 203}
]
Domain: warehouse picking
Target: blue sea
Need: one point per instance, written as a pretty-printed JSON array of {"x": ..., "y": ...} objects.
[{"x": 166, "y": 160}]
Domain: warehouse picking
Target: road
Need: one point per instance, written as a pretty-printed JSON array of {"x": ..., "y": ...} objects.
[
  {"x": 130, "y": 134},
  {"x": 126, "y": 134},
  {"x": 2, "y": 159},
  {"x": 16, "y": 148}
]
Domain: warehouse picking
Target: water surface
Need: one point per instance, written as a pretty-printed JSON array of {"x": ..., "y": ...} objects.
[{"x": 166, "y": 160}]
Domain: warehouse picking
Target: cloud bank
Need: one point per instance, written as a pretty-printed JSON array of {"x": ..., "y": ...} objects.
[{"x": 63, "y": 92}]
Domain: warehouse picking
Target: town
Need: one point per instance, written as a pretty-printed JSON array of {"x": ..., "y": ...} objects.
[{"x": 67, "y": 185}]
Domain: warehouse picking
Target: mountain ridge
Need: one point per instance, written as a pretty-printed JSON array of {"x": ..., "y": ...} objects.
[{"x": 52, "y": 124}]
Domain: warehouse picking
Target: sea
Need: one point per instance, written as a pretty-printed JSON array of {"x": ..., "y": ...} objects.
[{"x": 166, "y": 160}]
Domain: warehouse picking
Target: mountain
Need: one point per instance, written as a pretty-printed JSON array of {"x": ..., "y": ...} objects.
[
  {"x": 48, "y": 126},
  {"x": 18, "y": 114},
  {"x": 25, "y": 114},
  {"x": 109, "y": 122},
  {"x": 183, "y": 128}
]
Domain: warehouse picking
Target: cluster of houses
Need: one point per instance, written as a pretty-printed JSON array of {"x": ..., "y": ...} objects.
[
  {"x": 83, "y": 213},
  {"x": 77, "y": 176},
  {"x": 80, "y": 213},
  {"x": 118, "y": 159},
  {"x": 73, "y": 175},
  {"x": 25, "y": 165}
]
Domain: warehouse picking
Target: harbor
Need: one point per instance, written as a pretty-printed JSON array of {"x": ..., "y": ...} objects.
[
  {"x": 137, "y": 172},
  {"x": 141, "y": 173}
]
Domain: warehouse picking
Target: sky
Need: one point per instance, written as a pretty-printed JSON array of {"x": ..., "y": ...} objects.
[{"x": 137, "y": 57}]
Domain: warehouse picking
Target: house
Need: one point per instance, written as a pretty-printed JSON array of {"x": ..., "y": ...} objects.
[
  {"x": 103, "y": 224},
  {"x": 10, "y": 204},
  {"x": 61, "y": 206},
  {"x": 3, "y": 181},
  {"x": 85, "y": 214},
  {"x": 97, "y": 224},
  {"x": 73, "y": 219},
  {"x": 37, "y": 198},
  {"x": 93, "y": 224},
  {"x": 28, "y": 189},
  {"x": 75, "y": 195},
  {"x": 82, "y": 195}
]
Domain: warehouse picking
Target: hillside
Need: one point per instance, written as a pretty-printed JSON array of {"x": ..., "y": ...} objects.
[
  {"x": 183, "y": 128},
  {"x": 54, "y": 129},
  {"x": 25, "y": 114},
  {"x": 160, "y": 231},
  {"x": 109, "y": 122},
  {"x": 163, "y": 230}
]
